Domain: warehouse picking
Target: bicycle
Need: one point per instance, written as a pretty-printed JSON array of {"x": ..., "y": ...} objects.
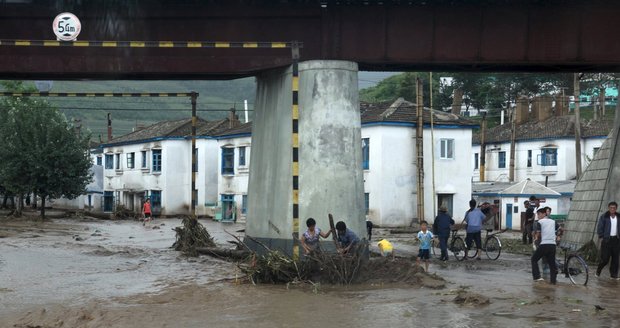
[
  {"x": 574, "y": 267},
  {"x": 492, "y": 246},
  {"x": 456, "y": 245}
]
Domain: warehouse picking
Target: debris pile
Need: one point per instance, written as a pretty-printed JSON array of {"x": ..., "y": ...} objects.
[{"x": 190, "y": 236}]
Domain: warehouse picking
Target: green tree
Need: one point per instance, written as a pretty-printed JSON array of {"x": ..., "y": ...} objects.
[
  {"x": 42, "y": 153},
  {"x": 403, "y": 85}
]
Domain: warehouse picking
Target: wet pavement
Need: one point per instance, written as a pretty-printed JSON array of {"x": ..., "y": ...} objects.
[{"x": 92, "y": 273}]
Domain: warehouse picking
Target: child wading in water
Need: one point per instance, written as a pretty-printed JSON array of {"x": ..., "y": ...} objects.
[
  {"x": 425, "y": 237},
  {"x": 146, "y": 210}
]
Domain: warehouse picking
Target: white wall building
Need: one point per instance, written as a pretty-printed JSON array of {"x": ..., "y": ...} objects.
[
  {"x": 543, "y": 149},
  {"x": 389, "y": 161},
  {"x": 233, "y": 149},
  {"x": 156, "y": 162}
]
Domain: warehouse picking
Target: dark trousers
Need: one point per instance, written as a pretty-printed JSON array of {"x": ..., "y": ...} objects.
[
  {"x": 443, "y": 244},
  {"x": 546, "y": 251},
  {"x": 527, "y": 233},
  {"x": 473, "y": 237},
  {"x": 609, "y": 248}
]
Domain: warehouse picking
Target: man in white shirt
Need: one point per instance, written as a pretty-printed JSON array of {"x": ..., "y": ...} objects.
[
  {"x": 545, "y": 233},
  {"x": 607, "y": 230}
]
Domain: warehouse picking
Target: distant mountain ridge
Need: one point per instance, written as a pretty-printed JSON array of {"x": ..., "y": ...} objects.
[{"x": 214, "y": 101}]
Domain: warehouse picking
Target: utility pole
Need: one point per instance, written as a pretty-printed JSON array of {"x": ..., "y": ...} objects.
[
  {"x": 420, "y": 147},
  {"x": 430, "y": 98},
  {"x": 513, "y": 135},
  {"x": 577, "y": 128},
  {"x": 483, "y": 147}
]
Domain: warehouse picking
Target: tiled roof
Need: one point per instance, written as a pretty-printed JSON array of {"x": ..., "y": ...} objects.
[
  {"x": 245, "y": 128},
  {"x": 562, "y": 187},
  {"x": 404, "y": 111},
  {"x": 175, "y": 128},
  {"x": 529, "y": 187},
  {"x": 554, "y": 127}
]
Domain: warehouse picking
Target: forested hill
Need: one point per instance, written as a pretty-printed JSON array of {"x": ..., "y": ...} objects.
[{"x": 215, "y": 99}]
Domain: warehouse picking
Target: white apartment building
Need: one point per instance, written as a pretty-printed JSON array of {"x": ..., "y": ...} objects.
[
  {"x": 155, "y": 162},
  {"x": 544, "y": 150},
  {"x": 390, "y": 163}
]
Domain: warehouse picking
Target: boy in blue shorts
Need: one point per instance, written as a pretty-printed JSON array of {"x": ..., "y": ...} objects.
[{"x": 425, "y": 237}]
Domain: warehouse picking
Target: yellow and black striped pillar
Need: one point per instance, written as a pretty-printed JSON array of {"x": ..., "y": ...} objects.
[
  {"x": 194, "y": 96},
  {"x": 295, "y": 144}
]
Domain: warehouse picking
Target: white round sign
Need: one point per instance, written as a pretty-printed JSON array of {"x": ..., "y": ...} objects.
[{"x": 67, "y": 27}]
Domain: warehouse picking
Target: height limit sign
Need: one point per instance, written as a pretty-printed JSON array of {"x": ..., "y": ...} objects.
[{"x": 67, "y": 27}]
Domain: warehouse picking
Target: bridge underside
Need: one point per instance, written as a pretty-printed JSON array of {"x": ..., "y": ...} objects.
[{"x": 519, "y": 35}]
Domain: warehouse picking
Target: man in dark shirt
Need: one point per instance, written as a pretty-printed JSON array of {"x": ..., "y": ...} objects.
[
  {"x": 529, "y": 221},
  {"x": 441, "y": 228},
  {"x": 346, "y": 237}
]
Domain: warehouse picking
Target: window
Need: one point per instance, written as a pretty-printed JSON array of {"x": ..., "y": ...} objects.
[
  {"x": 549, "y": 157},
  {"x": 475, "y": 161},
  {"x": 131, "y": 160},
  {"x": 118, "y": 161},
  {"x": 447, "y": 149},
  {"x": 228, "y": 156},
  {"x": 529, "y": 158},
  {"x": 594, "y": 151},
  {"x": 365, "y": 153},
  {"x": 241, "y": 156},
  {"x": 367, "y": 202},
  {"x": 109, "y": 161},
  {"x": 98, "y": 160},
  {"x": 156, "y": 160},
  {"x": 244, "y": 204},
  {"x": 501, "y": 160},
  {"x": 144, "y": 160}
]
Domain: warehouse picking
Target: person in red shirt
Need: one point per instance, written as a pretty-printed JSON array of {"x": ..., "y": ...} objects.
[{"x": 146, "y": 210}]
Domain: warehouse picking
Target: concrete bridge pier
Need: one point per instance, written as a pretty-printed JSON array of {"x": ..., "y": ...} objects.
[{"x": 330, "y": 154}]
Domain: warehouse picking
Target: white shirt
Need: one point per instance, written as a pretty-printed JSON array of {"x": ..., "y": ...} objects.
[
  {"x": 614, "y": 226},
  {"x": 547, "y": 231}
]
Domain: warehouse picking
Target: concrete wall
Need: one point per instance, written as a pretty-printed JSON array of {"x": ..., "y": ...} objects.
[
  {"x": 330, "y": 175},
  {"x": 208, "y": 172}
]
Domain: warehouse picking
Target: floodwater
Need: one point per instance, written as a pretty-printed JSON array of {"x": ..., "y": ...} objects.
[{"x": 92, "y": 273}]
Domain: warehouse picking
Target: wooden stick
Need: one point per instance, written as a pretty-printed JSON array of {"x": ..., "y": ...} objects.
[{"x": 333, "y": 229}]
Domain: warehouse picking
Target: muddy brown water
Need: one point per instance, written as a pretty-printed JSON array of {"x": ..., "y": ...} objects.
[{"x": 91, "y": 273}]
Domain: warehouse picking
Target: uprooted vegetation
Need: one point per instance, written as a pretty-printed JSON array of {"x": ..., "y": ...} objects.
[
  {"x": 191, "y": 236},
  {"x": 274, "y": 267}
]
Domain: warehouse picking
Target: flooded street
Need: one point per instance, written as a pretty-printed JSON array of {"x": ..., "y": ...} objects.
[{"x": 92, "y": 273}]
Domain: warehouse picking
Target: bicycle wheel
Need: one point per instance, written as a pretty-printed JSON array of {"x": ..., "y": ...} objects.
[
  {"x": 577, "y": 270},
  {"x": 493, "y": 247},
  {"x": 470, "y": 250},
  {"x": 457, "y": 247}
]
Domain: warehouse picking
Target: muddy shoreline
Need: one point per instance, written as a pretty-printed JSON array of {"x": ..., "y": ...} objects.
[{"x": 94, "y": 273}]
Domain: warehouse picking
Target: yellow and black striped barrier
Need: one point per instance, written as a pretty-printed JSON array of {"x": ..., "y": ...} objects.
[
  {"x": 151, "y": 44},
  {"x": 95, "y": 94}
]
